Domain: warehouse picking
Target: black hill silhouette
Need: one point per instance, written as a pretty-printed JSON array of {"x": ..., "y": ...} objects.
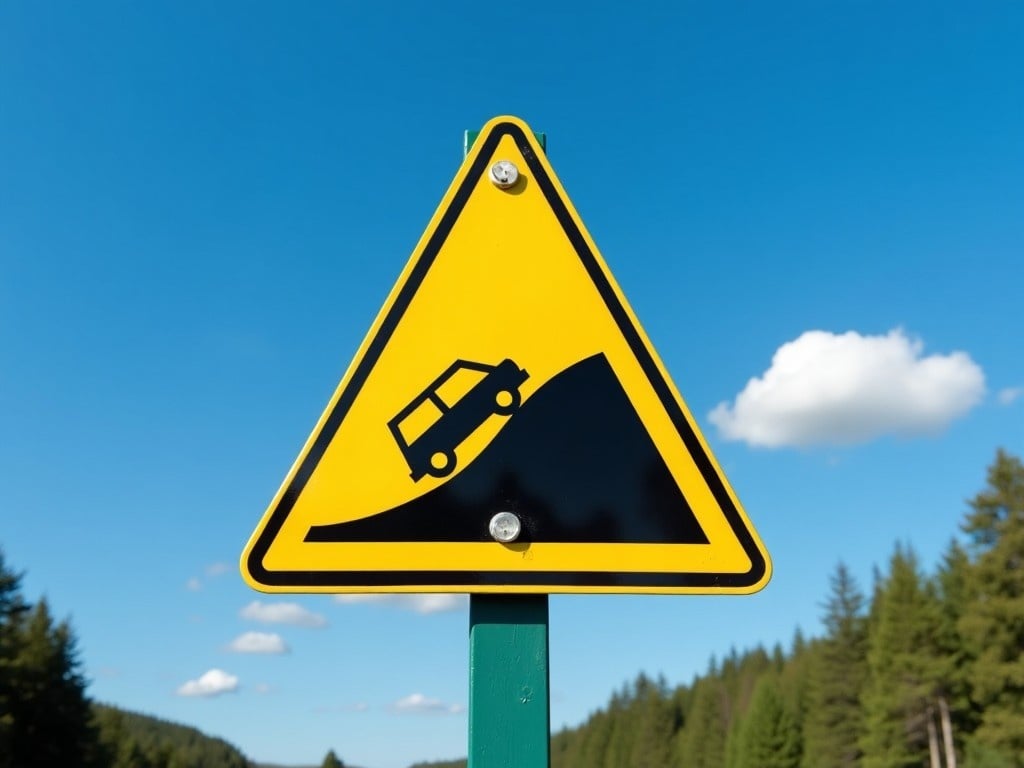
[{"x": 575, "y": 463}]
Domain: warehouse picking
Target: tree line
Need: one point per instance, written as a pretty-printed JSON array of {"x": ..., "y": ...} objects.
[{"x": 925, "y": 671}]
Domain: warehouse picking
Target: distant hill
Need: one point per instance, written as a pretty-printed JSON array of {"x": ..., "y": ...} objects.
[
  {"x": 140, "y": 741},
  {"x": 134, "y": 740},
  {"x": 441, "y": 764}
]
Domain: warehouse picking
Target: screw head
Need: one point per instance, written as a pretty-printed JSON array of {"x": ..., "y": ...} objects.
[
  {"x": 505, "y": 527},
  {"x": 504, "y": 174}
]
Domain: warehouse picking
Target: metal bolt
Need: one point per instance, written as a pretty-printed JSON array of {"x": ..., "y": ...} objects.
[
  {"x": 504, "y": 174},
  {"x": 505, "y": 527}
]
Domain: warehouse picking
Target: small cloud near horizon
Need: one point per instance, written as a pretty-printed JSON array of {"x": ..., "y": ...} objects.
[
  {"x": 217, "y": 569},
  {"x": 841, "y": 389},
  {"x": 359, "y": 706},
  {"x": 421, "y": 604},
  {"x": 418, "y": 704},
  {"x": 212, "y": 571},
  {"x": 1009, "y": 395},
  {"x": 258, "y": 642},
  {"x": 282, "y": 613},
  {"x": 212, "y": 683}
]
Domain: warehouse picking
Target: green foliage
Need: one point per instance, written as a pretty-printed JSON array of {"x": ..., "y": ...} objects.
[
  {"x": 132, "y": 740},
  {"x": 905, "y": 668},
  {"x": 12, "y": 609},
  {"x": 838, "y": 674},
  {"x": 637, "y": 729},
  {"x": 769, "y": 736},
  {"x": 45, "y": 720},
  {"x": 992, "y": 623},
  {"x": 954, "y": 583},
  {"x": 981, "y": 756},
  {"x": 331, "y": 761},
  {"x": 702, "y": 742}
]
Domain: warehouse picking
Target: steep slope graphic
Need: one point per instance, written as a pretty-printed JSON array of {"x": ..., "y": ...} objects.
[{"x": 574, "y": 463}]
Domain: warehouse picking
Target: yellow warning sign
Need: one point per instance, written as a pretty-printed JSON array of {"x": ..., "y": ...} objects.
[{"x": 506, "y": 425}]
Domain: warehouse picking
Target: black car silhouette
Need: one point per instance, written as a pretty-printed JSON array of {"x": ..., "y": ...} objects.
[{"x": 433, "y": 451}]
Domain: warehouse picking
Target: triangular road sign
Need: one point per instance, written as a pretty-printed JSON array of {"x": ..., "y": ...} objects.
[{"x": 506, "y": 374}]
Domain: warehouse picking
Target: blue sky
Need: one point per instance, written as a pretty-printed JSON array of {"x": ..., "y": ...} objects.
[{"x": 204, "y": 205}]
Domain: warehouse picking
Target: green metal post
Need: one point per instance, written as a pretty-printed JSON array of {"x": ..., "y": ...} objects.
[
  {"x": 509, "y": 701},
  {"x": 509, "y": 710}
]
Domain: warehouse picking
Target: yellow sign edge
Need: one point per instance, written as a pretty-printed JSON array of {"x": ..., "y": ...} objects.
[{"x": 305, "y": 584}]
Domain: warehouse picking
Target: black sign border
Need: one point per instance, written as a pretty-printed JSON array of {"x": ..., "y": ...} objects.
[{"x": 548, "y": 580}]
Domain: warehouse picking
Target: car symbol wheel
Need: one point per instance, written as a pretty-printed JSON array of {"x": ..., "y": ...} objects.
[
  {"x": 507, "y": 401},
  {"x": 442, "y": 463}
]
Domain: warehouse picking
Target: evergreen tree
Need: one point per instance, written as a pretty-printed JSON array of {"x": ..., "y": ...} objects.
[
  {"x": 902, "y": 666},
  {"x": 52, "y": 717},
  {"x": 954, "y": 582},
  {"x": 769, "y": 737},
  {"x": 992, "y": 624},
  {"x": 45, "y": 717},
  {"x": 12, "y": 610},
  {"x": 331, "y": 761},
  {"x": 702, "y": 743},
  {"x": 616, "y": 749},
  {"x": 833, "y": 723},
  {"x": 655, "y": 723},
  {"x": 740, "y": 683},
  {"x": 620, "y": 737},
  {"x": 594, "y": 743},
  {"x": 563, "y": 747},
  {"x": 734, "y": 743},
  {"x": 799, "y": 642},
  {"x": 795, "y": 684}
]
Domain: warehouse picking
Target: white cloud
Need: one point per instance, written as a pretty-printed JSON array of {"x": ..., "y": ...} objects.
[
  {"x": 212, "y": 683},
  {"x": 826, "y": 388},
  {"x": 418, "y": 704},
  {"x": 258, "y": 642},
  {"x": 193, "y": 584},
  {"x": 217, "y": 569},
  {"x": 282, "y": 613},
  {"x": 331, "y": 709},
  {"x": 262, "y": 688},
  {"x": 422, "y": 604},
  {"x": 1009, "y": 395}
]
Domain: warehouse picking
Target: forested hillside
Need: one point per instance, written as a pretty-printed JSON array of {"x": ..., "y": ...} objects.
[
  {"x": 925, "y": 670},
  {"x": 130, "y": 740},
  {"x": 47, "y": 721}
]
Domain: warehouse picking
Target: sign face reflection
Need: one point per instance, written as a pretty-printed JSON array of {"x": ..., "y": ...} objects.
[{"x": 506, "y": 373}]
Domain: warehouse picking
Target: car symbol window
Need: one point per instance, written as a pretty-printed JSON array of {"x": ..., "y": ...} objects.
[{"x": 431, "y": 449}]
